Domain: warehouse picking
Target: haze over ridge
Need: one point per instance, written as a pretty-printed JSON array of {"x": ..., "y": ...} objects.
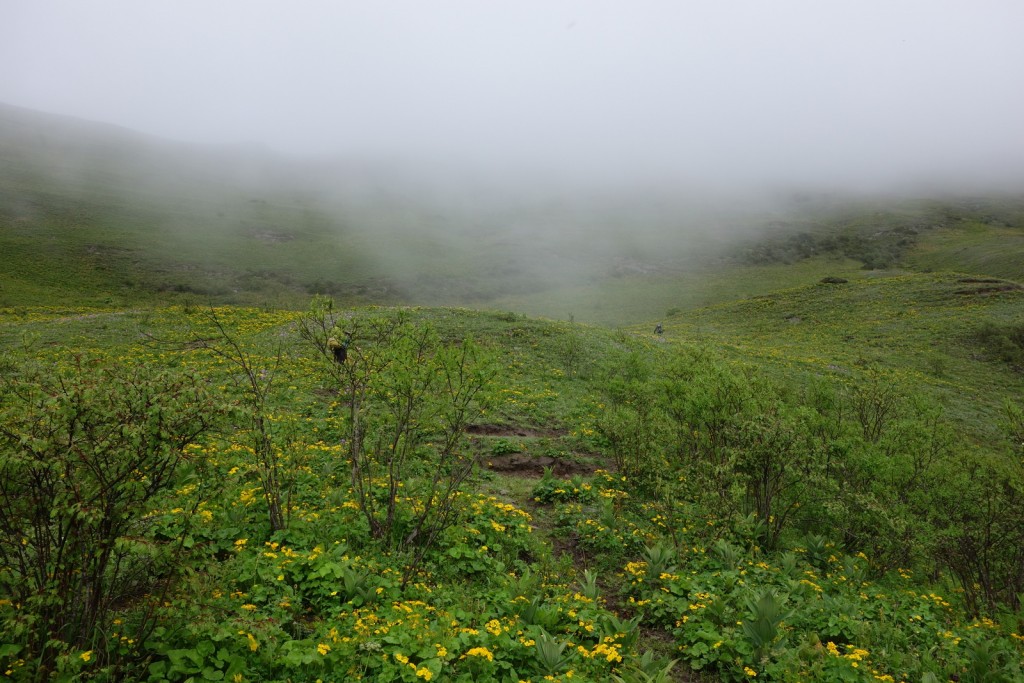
[{"x": 859, "y": 96}]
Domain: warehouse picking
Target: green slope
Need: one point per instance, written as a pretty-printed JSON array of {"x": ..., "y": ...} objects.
[
  {"x": 653, "y": 556},
  {"x": 94, "y": 214},
  {"x": 981, "y": 248},
  {"x": 923, "y": 329}
]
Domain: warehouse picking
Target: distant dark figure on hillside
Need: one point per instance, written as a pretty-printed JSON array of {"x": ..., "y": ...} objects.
[
  {"x": 340, "y": 349},
  {"x": 658, "y": 329}
]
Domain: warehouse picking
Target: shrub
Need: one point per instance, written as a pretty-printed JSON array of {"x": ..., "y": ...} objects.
[
  {"x": 1005, "y": 342},
  {"x": 409, "y": 399},
  {"x": 84, "y": 453}
]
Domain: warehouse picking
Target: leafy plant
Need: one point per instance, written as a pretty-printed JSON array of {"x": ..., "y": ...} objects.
[
  {"x": 660, "y": 560},
  {"x": 551, "y": 655},
  {"x": 588, "y": 584},
  {"x": 727, "y": 553},
  {"x": 817, "y": 550},
  {"x": 408, "y": 401},
  {"x": 536, "y": 613},
  {"x": 506, "y": 446},
  {"x": 761, "y": 627},
  {"x": 85, "y": 451},
  {"x": 647, "y": 669},
  {"x": 256, "y": 384},
  {"x": 626, "y": 631},
  {"x": 551, "y": 489}
]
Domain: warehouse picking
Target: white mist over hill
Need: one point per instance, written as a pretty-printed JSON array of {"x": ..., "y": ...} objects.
[{"x": 559, "y": 94}]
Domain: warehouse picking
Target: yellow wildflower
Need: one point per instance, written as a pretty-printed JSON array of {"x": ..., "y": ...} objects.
[{"x": 480, "y": 652}]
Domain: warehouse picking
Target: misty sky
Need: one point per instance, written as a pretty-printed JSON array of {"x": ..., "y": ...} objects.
[{"x": 861, "y": 92}]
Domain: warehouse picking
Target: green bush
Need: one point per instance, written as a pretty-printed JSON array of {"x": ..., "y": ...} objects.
[
  {"x": 85, "y": 453},
  {"x": 1004, "y": 342},
  {"x": 409, "y": 399}
]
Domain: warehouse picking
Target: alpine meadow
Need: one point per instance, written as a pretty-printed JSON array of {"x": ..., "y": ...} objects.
[
  {"x": 547, "y": 341},
  {"x": 263, "y": 420}
]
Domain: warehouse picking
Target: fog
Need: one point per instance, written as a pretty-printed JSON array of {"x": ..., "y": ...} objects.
[
  {"x": 709, "y": 96},
  {"x": 564, "y": 158}
]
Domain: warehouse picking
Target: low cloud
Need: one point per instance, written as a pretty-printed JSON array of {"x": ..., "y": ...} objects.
[{"x": 862, "y": 95}]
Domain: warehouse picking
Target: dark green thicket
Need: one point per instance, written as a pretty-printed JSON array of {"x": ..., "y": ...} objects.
[
  {"x": 84, "y": 452},
  {"x": 864, "y": 463},
  {"x": 876, "y": 250},
  {"x": 1005, "y": 342},
  {"x": 410, "y": 398}
]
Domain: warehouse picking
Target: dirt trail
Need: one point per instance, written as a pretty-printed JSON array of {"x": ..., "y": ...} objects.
[
  {"x": 523, "y": 464},
  {"x": 516, "y": 474}
]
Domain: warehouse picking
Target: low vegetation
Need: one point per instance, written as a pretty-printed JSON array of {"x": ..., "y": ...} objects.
[
  {"x": 811, "y": 469},
  {"x": 94, "y": 216},
  {"x": 1005, "y": 342},
  {"x": 483, "y": 496}
]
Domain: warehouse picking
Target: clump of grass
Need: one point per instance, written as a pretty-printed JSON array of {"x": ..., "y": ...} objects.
[{"x": 1004, "y": 342}]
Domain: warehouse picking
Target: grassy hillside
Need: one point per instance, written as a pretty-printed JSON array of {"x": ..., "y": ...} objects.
[
  {"x": 616, "y": 502},
  {"x": 99, "y": 214},
  {"x": 922, "y": 329},
  {"x": 995, "y": 250},
  {"x": 797, "y": 480},
  {"x": 96, "y": 215}
]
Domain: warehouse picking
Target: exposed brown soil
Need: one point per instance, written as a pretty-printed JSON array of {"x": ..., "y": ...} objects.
[
  {"x": 992, "y": 289},
  {"x": 570, "y": 545},
  {"x": 506, "y": 430},
  {"x": 530, "y": 466},
  {"x": 993, "y": 285}
]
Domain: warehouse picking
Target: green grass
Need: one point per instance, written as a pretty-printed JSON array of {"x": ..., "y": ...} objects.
[
  {"x": 553, "y": 384},
  {"x": 93, "y": 215},
  {"x": 94, "y": 247},
  {"x": 629, "y": 300},
  {"x": 978, "y": 248},
  {"x": 922, "y": 328}
]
